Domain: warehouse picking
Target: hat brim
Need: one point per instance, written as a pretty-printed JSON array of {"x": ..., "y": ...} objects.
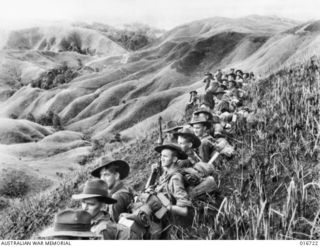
[
  {"x": 172, "y": 129},
  {"x": 201, "y": 122},
  {"x": 203, "y": 111},
  {"x": 219, "y": 92},
  {"x": 124, "y": 168},
  {"x": 107, "y": 200},
  {"x": 194, "y": 139},
  {"x": 181, "y": 155},
  {"x": 50, "y": 232}
]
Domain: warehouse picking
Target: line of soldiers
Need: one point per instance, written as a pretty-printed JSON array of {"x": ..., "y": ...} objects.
[{"x": 112, "y": 210}]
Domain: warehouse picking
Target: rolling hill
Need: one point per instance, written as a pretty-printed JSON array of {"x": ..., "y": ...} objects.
[{"x": 117, "y": 90}]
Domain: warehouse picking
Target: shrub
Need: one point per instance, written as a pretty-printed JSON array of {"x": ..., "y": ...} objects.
[
  {"x": 46, "y": 119},
  {"x": 14, "y": 183},
  {"x": 13, "y": 116},
  {"x": 4, "y": 202},
  {"x": 30, "y": 117}
]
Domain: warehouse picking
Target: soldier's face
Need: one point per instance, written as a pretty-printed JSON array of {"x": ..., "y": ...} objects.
[
  {"x": 109, "y": 177},
  {"x": 230, "y": 85},
  {"x": 193, "y": 95},
  {"x": 171, "y": 137},
  {"x": 199, "y": 129},
  {"x": 167, "y": 158},
  {"x": 184, "y": 144},
  {"x": 203, "y": 115},
  {"x": 92, "y": 205}
]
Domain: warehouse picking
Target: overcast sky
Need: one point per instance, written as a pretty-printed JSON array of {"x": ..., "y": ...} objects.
[{"x": 159, "y": 13}]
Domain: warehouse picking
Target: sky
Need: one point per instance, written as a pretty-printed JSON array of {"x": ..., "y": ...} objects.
[{"x": 164, "y": 14}]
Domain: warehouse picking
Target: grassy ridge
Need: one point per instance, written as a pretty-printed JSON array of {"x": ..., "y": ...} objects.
[
  {"x": 269, "y": 190},
  {"x": 276, "y": 190}
]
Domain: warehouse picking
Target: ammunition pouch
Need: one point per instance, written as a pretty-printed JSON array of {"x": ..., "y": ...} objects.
[{"x": 147, "y": 215}]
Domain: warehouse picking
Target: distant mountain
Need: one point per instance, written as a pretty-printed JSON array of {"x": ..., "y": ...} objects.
[
  {"x": 59, "y": 39},
  {"x": 131, "y": 36},
  {"x": 260, "y": 25}
]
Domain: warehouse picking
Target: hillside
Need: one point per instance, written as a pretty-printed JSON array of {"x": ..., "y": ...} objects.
[
  {"x": 268, "y": 190},
  {"x": 111, "y": 89}
]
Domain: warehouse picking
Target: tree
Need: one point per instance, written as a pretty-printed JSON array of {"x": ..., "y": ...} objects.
[{"x": 11, "y": 74}]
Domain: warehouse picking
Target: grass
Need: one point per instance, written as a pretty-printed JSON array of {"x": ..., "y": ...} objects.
[
  {"x": 277, "y": 194},
  {"x": 269, "y": 190}
]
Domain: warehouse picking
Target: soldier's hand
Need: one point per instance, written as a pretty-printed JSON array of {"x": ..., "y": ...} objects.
[
  {"x": 154, "y": 166},
  {"x": 155, "y": 205},
  {"x": 150, "y": 190}
]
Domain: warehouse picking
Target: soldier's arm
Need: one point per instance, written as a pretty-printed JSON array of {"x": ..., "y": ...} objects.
[
  {"x": 205, "y": 151},
  {"x": 180, "y": 194},
  {"x": 182, "y": 211},
  {"x": 123, "y": 201}
]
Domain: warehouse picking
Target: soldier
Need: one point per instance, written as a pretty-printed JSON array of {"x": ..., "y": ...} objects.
[
  {"x": 313, "y": 66},
  {"x": 195, "y": 171},
  {"x": 210, "y": 147},
  {"x": 208, "y": 98},
  {"x": 70, "y": 225},
  {"x": 220, "y": 99},
  {"x": 218, "y": 75},
  {"x": 216, "y": 127},
  {"x": 201, "y": 127},
  {"x": 165, "y": 201},
  {"x": 208, "y": 78},
  {"x": 231, "y": 75},
  {"x": 193, "y": 104},
  {"x": 193, "y": 97},
  {"x": 224, "y": 82},
  {"x": 252, "y": 77},
  {"x": 239, "y": 81},
  {"x": 239, "y": 72},
  {"x": 171, "y": 183},
  {"x": 232, "y": 84},
  {"x": 188, "y": 142},
  {"x": 245, "y": 79},
  {"x": 171, "y": 128},
  {"x": 94, "y": 198},
  {"x": 113, "y": 173}
]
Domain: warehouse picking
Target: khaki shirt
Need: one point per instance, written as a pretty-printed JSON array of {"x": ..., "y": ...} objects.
[
  {"x": 124, "y": 196},
  {"x": 172, "y": 184}
]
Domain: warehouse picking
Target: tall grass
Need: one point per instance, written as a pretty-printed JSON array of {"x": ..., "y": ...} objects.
[
  {"x": 269, "y": 190},
  {"x": 275, "y": 193}
]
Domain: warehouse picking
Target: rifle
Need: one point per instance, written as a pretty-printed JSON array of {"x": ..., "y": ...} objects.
[
  {"x": 160, "y": 139},
  {"x": 153, "y": 176}
]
